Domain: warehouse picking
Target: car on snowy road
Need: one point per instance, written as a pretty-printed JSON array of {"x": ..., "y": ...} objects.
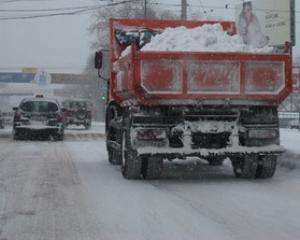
[
  {"x": 77, "y": 112},
  {"x": 294, "y": 124},
  {"x": 38, "y": 116}
]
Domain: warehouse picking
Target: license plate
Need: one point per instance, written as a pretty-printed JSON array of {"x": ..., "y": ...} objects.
[
  {"x": 38, "y": 118},
  {"x": 37, "y": 123}
]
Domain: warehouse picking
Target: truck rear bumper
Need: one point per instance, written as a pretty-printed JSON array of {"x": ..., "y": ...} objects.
[{"x": 229, "y": 151}]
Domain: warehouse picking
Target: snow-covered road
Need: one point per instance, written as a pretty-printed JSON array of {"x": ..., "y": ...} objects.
[{"x": 69, "y": 191}]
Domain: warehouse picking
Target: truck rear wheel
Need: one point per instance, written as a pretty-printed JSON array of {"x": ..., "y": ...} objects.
[
  {"x": 114, "y": 155},
  {"x": 87, "y": 125},
  {"x": 19, "y": 135},
  {"x": 266, "y": 166},
  {"x": 244, "y": 167},
  {"x": 131, "y": 161},
  {"x": 113, "y": 135},
  {"x": 152, "y": 167},
  {"x": 58, "y": 136}
]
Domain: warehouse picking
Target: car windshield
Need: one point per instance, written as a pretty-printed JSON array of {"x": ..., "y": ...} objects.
[{"x": 39, "y": 106}]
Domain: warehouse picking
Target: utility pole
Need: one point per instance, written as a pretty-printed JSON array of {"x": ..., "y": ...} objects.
[
  {"x": 183, "y": 9},
  {"x": 145, "y": 8}
]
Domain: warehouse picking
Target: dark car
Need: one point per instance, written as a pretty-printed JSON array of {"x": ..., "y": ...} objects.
[
  {"x": 1, "y": 121},
  {"x": 77, "y": 112},
  {"x": 38, "y": 116},
  {"x": 294, "y": 124}
]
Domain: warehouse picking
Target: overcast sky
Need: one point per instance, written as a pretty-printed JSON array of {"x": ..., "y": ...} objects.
[{"x": 61, "y": 43}]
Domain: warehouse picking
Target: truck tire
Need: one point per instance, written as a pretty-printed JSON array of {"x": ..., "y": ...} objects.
[
  {"x": 266, "y": 167},
  {"x": 131, "y": 161},
  {"x": 115, "y": 156},
  {"x": 244, "y": 167},
  {"x": 87, "y": 125},
  {"x": 152, "y": 167},
  {"x": 113, "y": 134},
  {"x": 19, "y": 135},
  {"x": 58, "y": 136}
]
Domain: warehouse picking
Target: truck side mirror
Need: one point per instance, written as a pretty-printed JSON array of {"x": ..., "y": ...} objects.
[{"x": 98, "y": 60}]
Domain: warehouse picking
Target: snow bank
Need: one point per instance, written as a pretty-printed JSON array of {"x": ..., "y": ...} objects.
[
  {"x": 290, "y": 140},
  {"x": 207, "y": 38}
]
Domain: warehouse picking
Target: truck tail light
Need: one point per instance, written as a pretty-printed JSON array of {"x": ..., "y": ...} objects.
[{"x": 150, "y": 134}]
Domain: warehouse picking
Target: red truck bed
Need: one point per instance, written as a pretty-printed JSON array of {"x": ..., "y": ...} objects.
[{"x": 154, "y": 78}]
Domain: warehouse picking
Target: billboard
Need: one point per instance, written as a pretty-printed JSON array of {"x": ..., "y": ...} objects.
[
  {"x": 266, "y": 22},
  {"x": 29, "y": 70},
  {"x": 7, "y": 77}
]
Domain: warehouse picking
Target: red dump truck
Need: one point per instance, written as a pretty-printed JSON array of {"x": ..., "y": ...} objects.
[{"x": 211, "y": 105}]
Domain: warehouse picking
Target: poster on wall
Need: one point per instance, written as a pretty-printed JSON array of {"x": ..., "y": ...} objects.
[{"x": 266, "y": 22}]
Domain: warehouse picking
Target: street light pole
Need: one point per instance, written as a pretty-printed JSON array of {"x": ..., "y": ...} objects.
[
  {"x": 145, "y": 8},
  {"x": 183, "y": 9}
]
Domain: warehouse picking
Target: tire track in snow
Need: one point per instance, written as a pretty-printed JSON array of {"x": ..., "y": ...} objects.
[
  {"x": 45, "y": 196},
  {"x": 17, "y": 174}
]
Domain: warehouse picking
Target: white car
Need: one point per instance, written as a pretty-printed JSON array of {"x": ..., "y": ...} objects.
[{"x": 38, "y": 116}]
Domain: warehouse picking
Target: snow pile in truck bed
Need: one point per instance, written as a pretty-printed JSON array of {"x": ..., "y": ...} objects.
[{"x": 207, "y": 38}]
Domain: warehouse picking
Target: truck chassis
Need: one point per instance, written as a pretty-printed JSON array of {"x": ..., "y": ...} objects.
[{"x": 140, "y": 139}]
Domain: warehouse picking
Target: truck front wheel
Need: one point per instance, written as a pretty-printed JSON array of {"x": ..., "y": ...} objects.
[
  {"x": 266, "y": 166},
  {"x": 131, "y": 161},
  {"x": 244, "y": 167}
]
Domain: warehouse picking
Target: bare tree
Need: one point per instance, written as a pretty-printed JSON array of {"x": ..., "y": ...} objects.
[
  {"x": 166, "y": 15},
  {"x": 99, "y": 30},
  {"x": 99, "y": 27}
]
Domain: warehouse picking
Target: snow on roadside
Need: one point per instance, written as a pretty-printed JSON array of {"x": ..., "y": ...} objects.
[
  {"x": 290, "y": 139},
  {"x": 206, "y": 38}
]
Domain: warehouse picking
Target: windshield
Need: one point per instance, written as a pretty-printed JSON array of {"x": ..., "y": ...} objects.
[
  {"x": 39, "y": 106},
  {"x": 141, "y": 37}
]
